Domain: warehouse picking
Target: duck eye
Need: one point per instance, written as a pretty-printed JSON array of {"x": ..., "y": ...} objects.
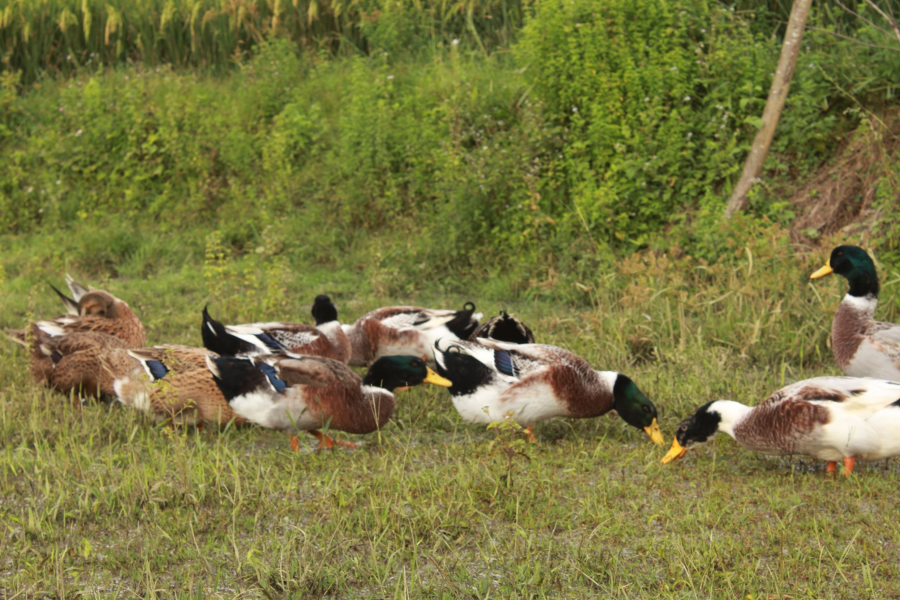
[
  {"x": 646, "y": 409},
  {"x": 682, "y": 428}
]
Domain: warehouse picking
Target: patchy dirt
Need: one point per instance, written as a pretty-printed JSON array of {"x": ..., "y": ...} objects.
[{"x": 841, "y": 195}]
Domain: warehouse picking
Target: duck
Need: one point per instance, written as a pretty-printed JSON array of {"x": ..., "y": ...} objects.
[
  {"x": 91, "y": 311},
  {"x": 170, "y": 382},
  {"x": 326, "y": 339},
  {"x": 830, "y": 418},
  {"x": 862, "y": 346},
  {"x": 534, "y": 382},
  {"x": 70, "y": 364},
  {"x": 407, "y": 330},
  {"x": 307, "y": 393},
  {"x": 504, "y": 328}
]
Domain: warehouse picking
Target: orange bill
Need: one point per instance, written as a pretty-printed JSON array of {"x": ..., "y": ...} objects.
[
  {"x": 674, "y": 453},
  {"x": 655, "y": 434},
  {"x": 435, "y": 379}
]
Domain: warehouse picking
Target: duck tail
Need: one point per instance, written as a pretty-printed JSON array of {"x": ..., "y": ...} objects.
[
  {"x": 465, "y": 321},
  {"x": 217, "y": 339},
  {"x": 76, "y": 288},
  {"x": 71, "y": 305}
]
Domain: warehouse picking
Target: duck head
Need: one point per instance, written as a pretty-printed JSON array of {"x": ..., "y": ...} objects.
[
  {"x": 699, "y": 428},
  {"x": 635, "y": 408},
  {"x": 856, "y": 266},
  {"x": 400, "y": 372}
]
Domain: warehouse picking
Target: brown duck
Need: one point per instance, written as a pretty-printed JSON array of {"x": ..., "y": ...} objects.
[{"x": 169, "y": 382}]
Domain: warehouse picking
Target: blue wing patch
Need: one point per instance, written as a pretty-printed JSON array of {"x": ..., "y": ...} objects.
[
  {"x": 504, "y": 363},
  {"x": 272, "y": 375},
  {"x": 272, "y": 344},
  {"x": 157, "y": 369}
]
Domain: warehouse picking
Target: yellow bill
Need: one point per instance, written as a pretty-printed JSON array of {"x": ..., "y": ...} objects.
[
  {"x": 826, "y": 270},
  {"x": 674, "y": 453},
  {"x": 435, "y": 379},
  {"x": 655, "y": 434}
]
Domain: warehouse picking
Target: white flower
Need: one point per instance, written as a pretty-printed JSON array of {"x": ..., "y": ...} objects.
[
  {"x": 455, "y": 42},
  {"x": 58, "y": 182},
  {"x": 390, "y": 76},
  {"x": 574, "y": 109},
  {"x": 647, "y": 99},
  {"x": 68, "y": 57},
  {"x": 690, "y": 134},
  {"x": 77, "y": 133},
  {"x": 686, "y": 99},
  {"x": 29, "y": 190}
]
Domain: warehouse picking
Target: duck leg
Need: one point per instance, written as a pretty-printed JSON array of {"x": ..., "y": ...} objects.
[
  {"x": 326, "y": 441},
  {"x": 849, "y": 461},
  {"x": 529, "y": 434},
  {"x": 295, "y": 443},
  {"x": 831, "y": 467}
]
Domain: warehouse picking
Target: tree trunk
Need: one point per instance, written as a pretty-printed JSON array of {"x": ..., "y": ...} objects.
[{"x": 777, "y": 95}]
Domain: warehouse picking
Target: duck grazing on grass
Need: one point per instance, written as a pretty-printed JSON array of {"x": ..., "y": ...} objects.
[
  {"x": 504, "y": 328},
  {"x": 326, "y": 339},
  {"x": 862, "y": 346},
  {"x": 407, "y": 330},
  {"x": 533, "y": 382},
  {"x": 169, "y": 382},
  {"x": 830, "y": 418},
  {"x": 308, "y": 393}
]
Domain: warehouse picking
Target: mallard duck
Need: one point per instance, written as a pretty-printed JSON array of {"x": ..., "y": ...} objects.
[
  {"x": 504, "y": 328},
  {"x": 407, "y": 330},
  {"x": 831, "y": 418},
  {"x": 71, "y": 363},
  {"x": 307, "y": 393},
  {"x": 78, "y": 290},
  {"x": 533, "y": 382},
  {"x": 862, "y": 346},
  {"x": 93, "y": 311},
  {"x": 169, "y": 382},
  {"x": 325, "y": 339}
]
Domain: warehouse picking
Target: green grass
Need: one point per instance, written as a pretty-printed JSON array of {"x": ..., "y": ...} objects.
[{"x": 99, "y": 502}]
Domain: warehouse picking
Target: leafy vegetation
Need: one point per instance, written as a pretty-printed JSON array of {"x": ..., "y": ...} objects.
[{"x": 363, "y": 154}]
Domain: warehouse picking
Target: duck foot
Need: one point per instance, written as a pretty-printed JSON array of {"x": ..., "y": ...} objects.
[
  {"x": 529, "y": 434},
  {"x": 295, "y": 443},
  {"x": 329, "y": 442},
  {"x": 831, "y": 468},
  {"x": 849, "y": 461}
]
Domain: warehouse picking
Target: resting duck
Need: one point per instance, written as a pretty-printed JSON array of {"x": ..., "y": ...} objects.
[
  {"x": 533, "y": 382},
  {"x": 862, "y": 346},
  {"x": 504, "y": 328},
  {"x": 407, "y": 330},
  {"x": 169, "y": 382},
  {"x": 831, "y": 418},
  {"x": 325, "y": 339},
  {"x": 91, "y": 311},
  {"x": 71, "y": 363},
  {"x": 307, "y": 393}
]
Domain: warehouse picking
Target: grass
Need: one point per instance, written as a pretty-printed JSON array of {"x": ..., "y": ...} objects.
[{"x": 99, "y": 502}]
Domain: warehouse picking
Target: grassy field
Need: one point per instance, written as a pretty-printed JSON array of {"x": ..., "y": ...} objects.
[{"x": 99, "y": 502}]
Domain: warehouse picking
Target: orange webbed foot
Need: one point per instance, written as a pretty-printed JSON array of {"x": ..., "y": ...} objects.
[
  {"x": 831, "y": 468},
  {"x": 849, "y": 461},
  {"x": 328, "y": 442}
]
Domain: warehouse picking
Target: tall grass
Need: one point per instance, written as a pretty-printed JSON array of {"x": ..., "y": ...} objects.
[{"x": 58, "y": 36}]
